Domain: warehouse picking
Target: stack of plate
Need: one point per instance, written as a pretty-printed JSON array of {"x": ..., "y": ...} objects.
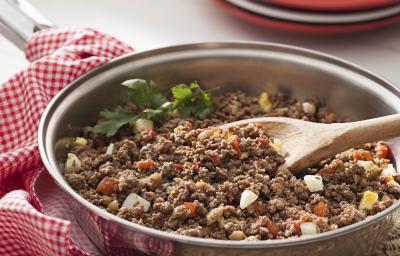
[{"x": 316, "y": 16}]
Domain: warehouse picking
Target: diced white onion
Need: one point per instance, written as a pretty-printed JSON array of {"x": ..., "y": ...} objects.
[
  {"x": 134, "y": 199},
  {"x": 110, "y": 149},
  {"x": 314, "y": 183},
  {"x": 388, "y": 171},
  {"x": 309, "y": 108},
  {"x": 368, "y": 165},
  {"x": 73, "y": 163},
  {"x": 206, "y": 134},
  {"x": 308, "y": 228},
  {"x": 247, "y": 198},
  {"x": 237, "y": 235},
  {"x": 215, "y": 215},
  {"x": 143, "y": 124},
  {"x": 251, "y": 238}
]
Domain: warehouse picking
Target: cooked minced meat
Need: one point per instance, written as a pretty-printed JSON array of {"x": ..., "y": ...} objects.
[{"x": 191, "y": 180}]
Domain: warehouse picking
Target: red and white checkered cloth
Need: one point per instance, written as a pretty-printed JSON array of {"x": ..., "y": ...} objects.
[{"x": 57, "y": 56}]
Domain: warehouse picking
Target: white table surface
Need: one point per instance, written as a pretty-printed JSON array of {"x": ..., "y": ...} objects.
[{"x": 148, "y": 24}]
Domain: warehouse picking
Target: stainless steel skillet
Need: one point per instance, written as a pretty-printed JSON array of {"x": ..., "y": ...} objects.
[{"x": 252, "y": 67}]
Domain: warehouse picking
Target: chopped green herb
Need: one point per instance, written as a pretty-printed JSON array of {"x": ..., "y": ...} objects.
[
  {"x": 114, "y": 120},
  {"x": 182, "y": 94},
  {"x": 145, "y": 94},
  {"x": 188, "y": 100},
  {"x": 192, "y": 100}
]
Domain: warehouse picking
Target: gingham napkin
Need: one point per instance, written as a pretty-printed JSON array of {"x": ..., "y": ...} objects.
[{"x": 57, "y": 56}]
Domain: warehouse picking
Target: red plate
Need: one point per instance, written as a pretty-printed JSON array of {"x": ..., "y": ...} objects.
[
  {"x": 334, "y": 5},
  {"x": 304, "y": 27}
]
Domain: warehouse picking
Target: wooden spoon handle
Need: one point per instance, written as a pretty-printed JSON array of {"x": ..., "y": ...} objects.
[{"x": 371, "y": 130}]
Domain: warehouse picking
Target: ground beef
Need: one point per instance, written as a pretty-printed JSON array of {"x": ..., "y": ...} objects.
[
  {"x": 348, "y": 215},
  {"x": 127, "y": 151},
  {"x": 75, "y": 180},
  {"x": 129, "y": 182},
  {"x": 277, "y": 204},
  {"x": 193, "y": 178}
]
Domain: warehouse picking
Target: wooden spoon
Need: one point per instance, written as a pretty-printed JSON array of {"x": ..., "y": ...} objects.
[{"x": 307, "y": 143}]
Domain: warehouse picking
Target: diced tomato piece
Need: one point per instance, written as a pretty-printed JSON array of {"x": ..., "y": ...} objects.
[
  {"x": 145, "y": 164},
  {"x": 148, "y": 135},
  {"x": 362, "y": 155},
  {"x": 216, "y": 159},
  {"x": 306, "y": 218},
  {"x": 236, "y": 147},
  {"x": 321, "y": 209},
  {"x": 297, "y": 228},
  {"x": 327, "y": 170},
  {"x": 178, "y": 166},
  {"x": 367, "y": 156},
  {"x": 107, "y": 186},
  {"x": 357, "y": 155},
  {"x": 259, "y": 207},
  {"x": 272, "y": 227},
  {"x": 263, "y": 141},
  {"x": 192, "y": 208},
  {"x": 381, "y": 150},
  {"x": 152, "y": 133}
]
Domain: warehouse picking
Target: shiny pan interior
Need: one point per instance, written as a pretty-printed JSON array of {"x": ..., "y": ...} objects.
[{"x": 252, "y": 67}]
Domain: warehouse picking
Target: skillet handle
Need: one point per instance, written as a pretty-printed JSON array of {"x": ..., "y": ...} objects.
[{"x": 19, "y": 20}]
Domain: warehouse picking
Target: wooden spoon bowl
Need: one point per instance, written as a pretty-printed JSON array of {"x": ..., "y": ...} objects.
[{"x": 307, "y": 143}]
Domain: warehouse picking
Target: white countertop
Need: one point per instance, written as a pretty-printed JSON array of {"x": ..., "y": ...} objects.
[{"x": 149, "y": 24}]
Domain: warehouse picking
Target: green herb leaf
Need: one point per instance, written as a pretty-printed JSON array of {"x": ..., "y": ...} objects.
[
  {"x": 153, "y": 114},
  {"x": 182, "y": 94},
  {"x": 114, "y": 120},
  {"x": 145, "y": 94},
  {"x": 192, "y": 100},
  {"x": 189, "y": 100}
]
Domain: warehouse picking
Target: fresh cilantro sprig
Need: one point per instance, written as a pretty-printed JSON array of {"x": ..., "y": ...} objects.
[
  {"x": 191, "y": 100},
  {"x": 187, "y": 100},
  {"x": 114, "y": 120},
  {"x": 144, "y": 93}
]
